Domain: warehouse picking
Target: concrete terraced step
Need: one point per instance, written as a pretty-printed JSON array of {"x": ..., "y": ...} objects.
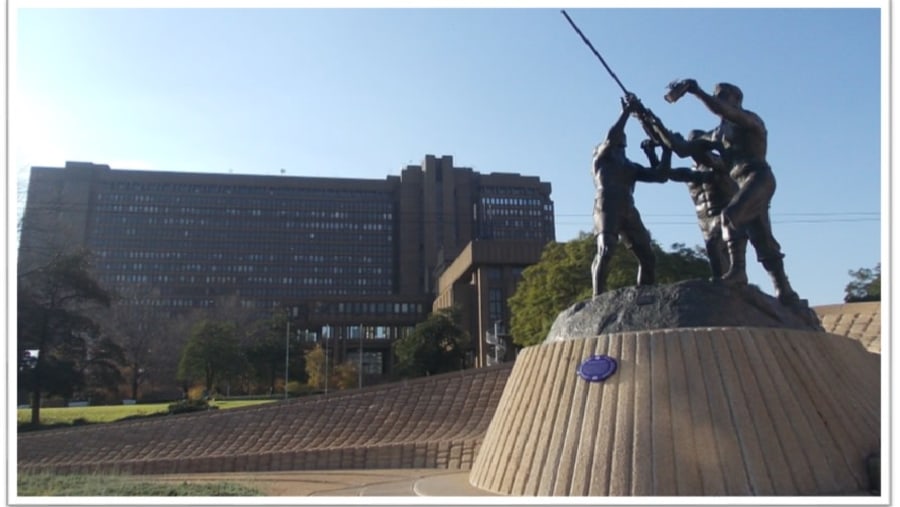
[
  {"x": 432, "y": 422},
  {"x": 861, "y": 321}
]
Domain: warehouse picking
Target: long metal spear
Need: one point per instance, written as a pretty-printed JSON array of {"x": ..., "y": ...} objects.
[
  {"x": 586, "y": 41},
  {"x": 648, "y": 119}
]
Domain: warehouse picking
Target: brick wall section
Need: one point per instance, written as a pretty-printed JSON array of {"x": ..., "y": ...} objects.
[
  {"x": 432, "y": 422},
  {"x": 861, "y": 321}
]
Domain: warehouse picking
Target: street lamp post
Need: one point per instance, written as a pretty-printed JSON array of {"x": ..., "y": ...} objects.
[
  {"x": 326, "y": 358},
  {"x": 287, "y": 355},
  {"x": 360, "y": 355}
]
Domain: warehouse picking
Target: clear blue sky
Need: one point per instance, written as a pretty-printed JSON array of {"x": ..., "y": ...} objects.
[{"x": 361, "y": 93}]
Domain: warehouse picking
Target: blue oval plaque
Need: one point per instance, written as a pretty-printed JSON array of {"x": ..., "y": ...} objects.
[{"x": 597, "y": 368}]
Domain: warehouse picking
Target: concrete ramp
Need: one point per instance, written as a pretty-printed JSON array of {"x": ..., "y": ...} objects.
[{"x": 694, "y": 411}]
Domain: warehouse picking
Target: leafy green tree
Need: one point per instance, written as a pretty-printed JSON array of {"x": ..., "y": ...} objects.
[
  {"x": 53, "y": 302},
  {"x": 315, "y": 367},
  {"x": 865, "y": 285},
  {"x": 562, "y": 277},
  {"x": 212, "y": 354},
  {"x": 346, "y": 375},
  {"x": 60, "y": 378},
  {"x": 265, "y": 350},
  {"x": 436, "y": 345},
  {"x": 98, "y": 361}
]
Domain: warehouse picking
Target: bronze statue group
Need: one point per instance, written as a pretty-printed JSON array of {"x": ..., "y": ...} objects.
[{"x": 730, "y": 182}]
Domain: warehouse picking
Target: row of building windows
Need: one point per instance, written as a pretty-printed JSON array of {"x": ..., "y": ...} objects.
[
  {"x": 321, "y": 232},
  {"x": 368, "y": 308},
  {"x": 304, "y": 210},
  {"x": 331, "y": 256},
  {"x": 507, "y": 229},
  {"x": 515, "y": 201},
  {"x": 341, "y": 275},
  {"x": 495, "y": 304},
  {"x": 107, "y": 215},
  {"x": 497, "y": 211},
  {"x": 517, "y": 224},
  {"x": 278, "y": 294},
  {"x": 372, "y": 362},
  {"x": 512, "y": 190},
  {"x": 514, "y": 234},
  {"x": 339, "y": 270},
  {"x": 146, "y": 192}
]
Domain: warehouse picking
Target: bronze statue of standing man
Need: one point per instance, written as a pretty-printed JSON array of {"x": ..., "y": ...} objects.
[
  {"x": 741, "y": 138},
  {"x": 711, "y": 189},
  {"x": 615, "y": 215}
]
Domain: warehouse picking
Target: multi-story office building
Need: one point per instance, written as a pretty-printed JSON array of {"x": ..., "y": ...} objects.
[{"x": 351, "y": 258}]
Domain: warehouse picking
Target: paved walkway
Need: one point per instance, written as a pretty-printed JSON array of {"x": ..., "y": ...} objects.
[{"x": 393, "y": 482}]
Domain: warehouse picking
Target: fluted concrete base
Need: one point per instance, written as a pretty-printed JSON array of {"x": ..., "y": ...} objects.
[{"x": 711, "y": 411}]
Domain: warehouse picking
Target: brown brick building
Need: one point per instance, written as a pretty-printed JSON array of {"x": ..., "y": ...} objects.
[{"x": 352, "y": 258}]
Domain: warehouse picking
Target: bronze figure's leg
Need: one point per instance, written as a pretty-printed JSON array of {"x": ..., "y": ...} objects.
[
  {"x": 606, "y": 246},
  {"x": 737, "y": 258},
  {"x": 783, "y": 290},
  {"x": 636, "y": 238},
  {"x": 768, "y": 251},
  {"x": 646, "y": 263},
  {"x": 716, "y": 249}
]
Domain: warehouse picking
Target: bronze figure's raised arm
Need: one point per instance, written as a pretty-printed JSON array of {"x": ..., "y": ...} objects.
[{"x": 741, "y": 140}]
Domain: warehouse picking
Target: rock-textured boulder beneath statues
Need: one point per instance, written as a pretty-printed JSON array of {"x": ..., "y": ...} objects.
[{"x": 692, "y": 303}]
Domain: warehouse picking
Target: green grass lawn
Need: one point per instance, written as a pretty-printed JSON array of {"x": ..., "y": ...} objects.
[
  {"x": 110, "y": 413},
  {"x": 42, "y": 484}
]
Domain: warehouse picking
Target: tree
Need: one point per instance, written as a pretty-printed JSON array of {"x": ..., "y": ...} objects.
[
  {"x": 265, "y": 350},
  {"x": 53, "y": 300},
  {"x": 212, "y": 354},
  {"x": 101, "y": 367},
  {"x": 145, "y": 336},
  {"x": 436, "y": 345},
  {"x": 562, "y": 277},
  {"x": 346, "y": 375},
  {"x": 97, "y": 361},
  {"x": 315, "y": 367},
  {"x": 865, "y": 285}
]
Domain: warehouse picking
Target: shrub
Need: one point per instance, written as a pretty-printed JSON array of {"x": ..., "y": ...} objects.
[
  {"x": 299, "y": 389},
  {"x": 185, "y": 406},
  {"x": 196, "y": 393}
]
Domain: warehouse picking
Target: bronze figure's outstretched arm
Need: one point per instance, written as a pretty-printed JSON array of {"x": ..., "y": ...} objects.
[{"x": 730, "y": 110}]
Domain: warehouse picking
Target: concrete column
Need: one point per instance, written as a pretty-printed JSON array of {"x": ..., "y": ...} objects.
[{"x": 481, "y": 289}]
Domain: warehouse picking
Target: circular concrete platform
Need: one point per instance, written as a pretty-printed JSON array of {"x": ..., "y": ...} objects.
[{"x": 695, "y": 411}]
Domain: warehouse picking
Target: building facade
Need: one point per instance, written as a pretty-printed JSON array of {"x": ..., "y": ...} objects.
[{"x": 354, "y": 260}]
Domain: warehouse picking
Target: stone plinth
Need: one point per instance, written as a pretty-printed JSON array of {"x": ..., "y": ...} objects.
[
  {"x": 689, "y": 303},
  {"x": 692, "y": 411}
]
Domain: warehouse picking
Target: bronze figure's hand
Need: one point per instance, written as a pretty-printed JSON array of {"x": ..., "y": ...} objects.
[
  {"x": 678, "y": 88},
  {"x": 633, "y": 105}
]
